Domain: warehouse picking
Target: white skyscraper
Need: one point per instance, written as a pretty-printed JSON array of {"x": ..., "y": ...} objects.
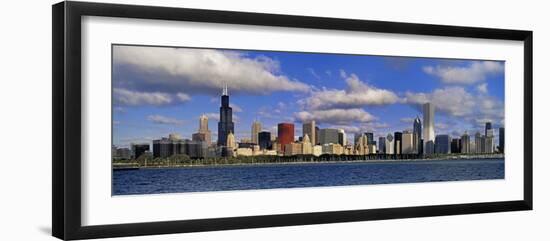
[{"x": 428, "y": 113}]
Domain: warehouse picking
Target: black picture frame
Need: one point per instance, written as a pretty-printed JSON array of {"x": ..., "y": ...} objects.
[{"x": 66, "y": 159}]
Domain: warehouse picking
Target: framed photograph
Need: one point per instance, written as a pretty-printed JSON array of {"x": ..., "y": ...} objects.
[{"x": 171, "y": 120}]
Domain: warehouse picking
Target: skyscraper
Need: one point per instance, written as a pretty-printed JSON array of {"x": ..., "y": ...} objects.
[
  {"x": 382, "y": 144},
  {"x": 285, "y": 134},
  {"x": 488, "y": 127},
  {"x": 479, "y": 143},
  {"x": 327, "y": 136},
  {"x": 370, "y": 137},
  {"x": 501, "y": 139},
  {"x": 407, "y": 143},
  {"x": 342, "y": 138},
  {"x": 417, "y": 135},
  {"x": 389, "y": 144},
  {"x": 264, "y": 140},
  {"x": 465, "y": 143},
  {"x": 203, "y": 123},
  {"x": 203, "y": 134},
  {"x": 225, "y": 125},
  {"x": 308, "y": 128},
  {"x": 442, "y": 144},
  {"x": 456, "y": 145},
  {"x": 398, "y": 142},
  {"x": 428, "y": 113},
  {"x": 489, "y": 138},
  {"x": 256, "y": 128}
]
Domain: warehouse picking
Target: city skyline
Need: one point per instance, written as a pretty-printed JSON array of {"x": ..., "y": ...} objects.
[{"x": 158, "y": 91}]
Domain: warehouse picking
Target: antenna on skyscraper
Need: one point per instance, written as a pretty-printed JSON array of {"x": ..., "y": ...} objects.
[{"x": 224, "y": 91}]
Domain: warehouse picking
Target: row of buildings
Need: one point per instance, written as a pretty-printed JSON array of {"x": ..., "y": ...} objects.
[{"x": 316, "y": 141}]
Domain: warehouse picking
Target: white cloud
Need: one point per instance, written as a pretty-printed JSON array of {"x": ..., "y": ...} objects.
[
  {"x": 407, "y": 120},
  {"x": 186, "y": 70},
  {"x": 457, "y": 102},
  {"x": 183, "y": 97},
  {"x": 312, "y": 72},
  {"x": 357, "y": 94},
  {"x": 235, "y": 107},
  {"x": 343, "y": 74},
  {"x": 335, "y": 116},
  {"x": 213, "y": 116},
  {"x": 454, "y": 101},
  {"x": 132, "y": 98},
  {"x": 159, "y": 119},
  {"x": 482, "y": 88},
  {"x": 475, "y": 72}
]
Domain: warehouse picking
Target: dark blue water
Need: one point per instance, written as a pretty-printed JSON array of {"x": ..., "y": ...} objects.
[{"x": 246, "y": 177}]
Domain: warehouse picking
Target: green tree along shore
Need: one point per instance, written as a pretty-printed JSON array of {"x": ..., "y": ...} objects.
[{"x": 181, "y": 160}]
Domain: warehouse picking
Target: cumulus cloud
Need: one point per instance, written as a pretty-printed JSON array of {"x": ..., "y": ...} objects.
[
  {"x": 236, "y": 108},
  {"x": 159, "y": 119},
  {"x": 357, "y": 94},
  {"x": 482, "y": 88},
  {"x": 185, "y": 70},
  {"x": 133, "y": 98},
  {"x": 473, "y": 73},
  {"x": 457, "y": 102},
  {"x": 335, "y": 116}
]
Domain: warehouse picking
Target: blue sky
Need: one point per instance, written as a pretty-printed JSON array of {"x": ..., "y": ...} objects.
[{"x": 162, "y": 90}]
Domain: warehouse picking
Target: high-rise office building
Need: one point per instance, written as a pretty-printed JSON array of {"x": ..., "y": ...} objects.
[
  {"x": 442, "y": 144},
  {"x": 203, "y": 134},
  {"x": 417, "y": 135},
  {"x": 465, "y": 143},
  {"x": 398, "y": 142},
  {"x": 225, "y": 125},
  {"x": 203, "y": 123},
  {"x": 285, "y": 134},
  {"x": 382, "y": 144},
  {"x": 328, "y": 136},
  {"x": 407, "y": 143},
  {"x": 479, "y": 143},
  {"x": 455, "y": 145},
  {"x": 389, "y": 144},
  {"x": 256, "y": 128},
  {"x": 264, "y": 140},
  {"x": 501, "y": 139},
  {"x": 488, "y": 127},
  {"x": 342, "y": 138},
  {"x": 428, "y": 114},
  {"x": 489, "y": 141},
  {"x": 489, "y": 138},
  {"x": 370, "y": 137},
  {"x": 357, "y": 138},
  {"x": 308, "y": 128},
  {"x": 316, "y": 136}
]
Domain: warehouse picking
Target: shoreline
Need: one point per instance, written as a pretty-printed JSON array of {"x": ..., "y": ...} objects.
[{"x": 136, "y": 167}]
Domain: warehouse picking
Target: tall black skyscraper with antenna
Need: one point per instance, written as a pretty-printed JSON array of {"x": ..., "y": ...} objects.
[{"x": 225, "y": 125}]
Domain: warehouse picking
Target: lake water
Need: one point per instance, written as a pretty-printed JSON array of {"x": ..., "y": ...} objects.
[{"x": 246, "y": 177}]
